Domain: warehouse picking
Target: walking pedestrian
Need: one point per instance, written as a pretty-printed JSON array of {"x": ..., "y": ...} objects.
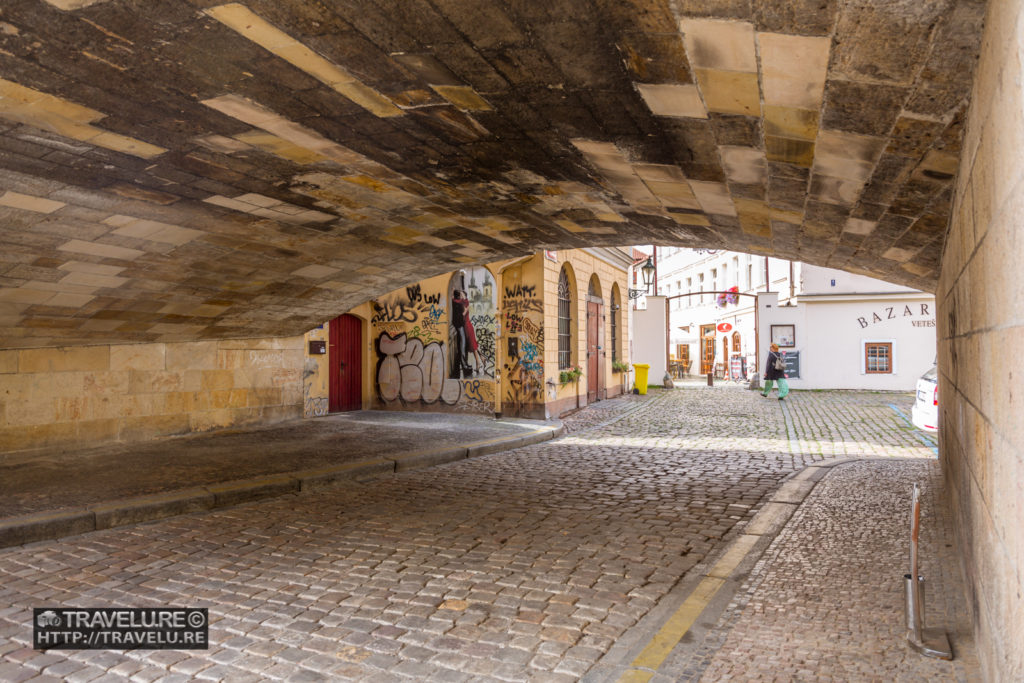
[{"x": 775, "y": 371}]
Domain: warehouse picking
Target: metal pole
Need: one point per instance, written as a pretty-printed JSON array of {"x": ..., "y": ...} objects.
[
  {"x": 928, "y": 642},
  {"x": 915, "y": 528}
]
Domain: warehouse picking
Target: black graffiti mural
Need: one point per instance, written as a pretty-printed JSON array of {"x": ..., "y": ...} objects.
[
  {"x": 414, "y": 307},
  {"x": 484, "y": 325},
  {"x": 525, "y": 345}
]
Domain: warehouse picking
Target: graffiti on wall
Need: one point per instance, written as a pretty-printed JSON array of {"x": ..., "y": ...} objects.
[
  {"x": 314, "y": 403},
  {"x": 472, "y": 325},
  {"x": 412, "y": 311},
  {"x": 413, "y": 328},
  {"x": 477, "y": 396},
  {"x": 315, "y": 406},
  {"x": 524, "y": 332},
  {"x": 411, "y": 306},
  {"x": 484, "y": 326},
  {"x": 413, "y": 372}
]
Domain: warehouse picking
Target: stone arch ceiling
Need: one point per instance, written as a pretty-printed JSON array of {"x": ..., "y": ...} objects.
[{"x": 175, "y": 170}]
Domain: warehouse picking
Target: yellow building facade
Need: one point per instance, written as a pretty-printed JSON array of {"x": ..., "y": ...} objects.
[{"x": 485, "y": 339}]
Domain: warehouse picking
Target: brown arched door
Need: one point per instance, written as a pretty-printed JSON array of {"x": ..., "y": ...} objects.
[{"x": 345, "y": 364}]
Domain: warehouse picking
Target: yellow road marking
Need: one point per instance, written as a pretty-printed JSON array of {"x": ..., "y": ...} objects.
[
  {"x": 678, "y": 624},
  {"x": 770, "y": 515},
  {"x": 733, "y": 556},
  {"x": 636, "y": 676}
]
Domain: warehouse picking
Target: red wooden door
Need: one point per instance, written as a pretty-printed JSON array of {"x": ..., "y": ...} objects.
[
  {"x": 593, "y": 349},
  {"x": 345, "y": 363}
]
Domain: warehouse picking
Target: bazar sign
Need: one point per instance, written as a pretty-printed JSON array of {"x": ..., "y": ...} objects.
[{"x": 896, "y": 313}]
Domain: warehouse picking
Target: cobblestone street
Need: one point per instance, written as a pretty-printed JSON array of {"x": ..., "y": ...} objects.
[{"x": 534, "y": 564}]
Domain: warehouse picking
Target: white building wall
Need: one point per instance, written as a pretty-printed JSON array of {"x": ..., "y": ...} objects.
[
  {"x": 818, "y": 280},
  {"x": 830, "y": 335},
  {"x": 769, "y": 313},
  {"x": 649, "y": 342},
  {"x": 841, "y": 329}
]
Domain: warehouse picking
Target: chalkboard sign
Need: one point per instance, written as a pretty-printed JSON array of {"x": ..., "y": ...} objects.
[{"x": 792, "y": 359}]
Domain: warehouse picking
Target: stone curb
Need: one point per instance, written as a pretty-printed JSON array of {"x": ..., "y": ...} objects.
[
  {"x": 738, "y": 556},
  {"x": 49, "y": 525}
]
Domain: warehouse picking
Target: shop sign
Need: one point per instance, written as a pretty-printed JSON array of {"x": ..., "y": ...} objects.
[
  {"x": 724, "y": 327},
  {"x": 895, "y": 312}
]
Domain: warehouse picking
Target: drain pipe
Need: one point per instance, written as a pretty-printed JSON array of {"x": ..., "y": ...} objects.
[{"x": 926, "y": 641}]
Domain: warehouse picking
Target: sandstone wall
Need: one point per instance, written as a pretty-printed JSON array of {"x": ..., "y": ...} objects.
[
  {"x": 82, "y": 396},
  {"x": 612, "y": 287},
  {"x": 981, "y": 347}
]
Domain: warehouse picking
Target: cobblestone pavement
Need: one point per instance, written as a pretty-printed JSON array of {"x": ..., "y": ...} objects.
[
  {"x": 523, "y": 565},
  {"x": 603, "y": 411},
  {"x": 825, "y": 602}
]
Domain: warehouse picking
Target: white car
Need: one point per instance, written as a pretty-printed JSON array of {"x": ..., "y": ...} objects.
[{"x": 925, "y": 413}]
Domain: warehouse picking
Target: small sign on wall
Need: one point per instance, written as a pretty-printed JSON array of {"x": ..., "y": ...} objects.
[
  {"x": 551, "y": 255},
  {"x": 784, "y": 335},
  {"x": 317, "y": 348},
  {"x": 792, "y": 360}
]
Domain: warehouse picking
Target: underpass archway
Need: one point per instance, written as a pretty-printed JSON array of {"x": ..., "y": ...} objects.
[{"x": 249, "y": 169}]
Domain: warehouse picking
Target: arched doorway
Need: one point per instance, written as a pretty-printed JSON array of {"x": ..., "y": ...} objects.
[
  {"x": 345, "y": 364},
  {"x": 707, "y": 349},
  {"x": 595, "y": 336}
]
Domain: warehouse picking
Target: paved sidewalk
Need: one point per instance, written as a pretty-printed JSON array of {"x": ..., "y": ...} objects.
[
  {"x": 825, "y": 601},
  {"x": 53, "y": 494},
  {"x": 812, "y": 589}
]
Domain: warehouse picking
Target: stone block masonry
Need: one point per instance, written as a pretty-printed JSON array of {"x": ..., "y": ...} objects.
[
  {"x": 980, "y": 330},
  {"x": 84, "y": 396}
]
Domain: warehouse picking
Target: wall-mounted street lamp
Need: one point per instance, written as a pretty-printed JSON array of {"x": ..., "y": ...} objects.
[{"x": 647, "y": 273}]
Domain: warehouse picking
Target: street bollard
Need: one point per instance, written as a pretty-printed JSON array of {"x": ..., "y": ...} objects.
[
  {"x": 929, "y": 642},
  {"x": 711, "y": 380}
]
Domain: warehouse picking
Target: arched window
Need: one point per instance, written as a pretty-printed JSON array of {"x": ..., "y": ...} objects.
[
  {"x": 564, "y": 320},
  {"x": 615, "y": 323}
]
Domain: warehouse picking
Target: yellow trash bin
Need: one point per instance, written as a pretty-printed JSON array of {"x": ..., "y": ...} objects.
[{"x": 641, "y": 377}]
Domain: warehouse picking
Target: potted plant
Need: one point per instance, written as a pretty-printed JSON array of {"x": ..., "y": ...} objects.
[
  {"x": 619, "y": 366},
  {"x": 572, "y": 374}
]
